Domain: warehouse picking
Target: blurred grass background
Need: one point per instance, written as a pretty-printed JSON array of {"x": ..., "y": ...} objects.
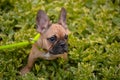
[{"x": 94, "y": 51}]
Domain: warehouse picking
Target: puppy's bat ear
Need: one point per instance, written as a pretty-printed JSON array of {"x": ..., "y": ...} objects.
[
  {"x": 62, "y": 18},
  {"x": 42, "y": 21}
]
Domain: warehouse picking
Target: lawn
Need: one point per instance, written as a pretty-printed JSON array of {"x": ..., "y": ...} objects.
[{"x": 94, "y": 42}]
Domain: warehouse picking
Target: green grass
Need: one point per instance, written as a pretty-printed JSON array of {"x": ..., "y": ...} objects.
[{"x": 94, "y": 51}]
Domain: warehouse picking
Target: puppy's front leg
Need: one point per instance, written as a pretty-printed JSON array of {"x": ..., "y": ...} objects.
[
  {"x": 35, "y": 53},
  {"x": 65, "y": 56}
]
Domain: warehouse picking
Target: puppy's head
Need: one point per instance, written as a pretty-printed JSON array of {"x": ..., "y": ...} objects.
[{"x": 53, "y": 36}]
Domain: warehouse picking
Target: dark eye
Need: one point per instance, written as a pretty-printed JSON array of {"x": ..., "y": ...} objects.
[
  {"x": 52, "y": 39},
  {"x": 66, "y": 37}
]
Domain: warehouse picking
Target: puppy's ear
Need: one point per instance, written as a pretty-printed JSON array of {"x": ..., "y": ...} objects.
[
  {"x": 62, "y": 18},
  {"x": 42, "y": 21}
]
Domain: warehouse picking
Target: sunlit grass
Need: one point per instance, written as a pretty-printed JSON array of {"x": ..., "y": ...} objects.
[{"x": 94, "y": 51}]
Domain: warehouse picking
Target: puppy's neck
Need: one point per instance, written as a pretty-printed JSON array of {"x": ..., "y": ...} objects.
[{"x": 39, "y": 45}]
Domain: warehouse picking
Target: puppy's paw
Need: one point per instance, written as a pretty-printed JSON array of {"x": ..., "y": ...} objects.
[{"x": 24, "y": 70}]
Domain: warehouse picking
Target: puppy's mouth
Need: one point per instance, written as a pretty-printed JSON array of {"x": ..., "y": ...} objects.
[{"x": 55, "y": 52}]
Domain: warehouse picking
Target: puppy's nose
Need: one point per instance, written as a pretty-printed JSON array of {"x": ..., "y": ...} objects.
[{"x": 62, "y": 44}]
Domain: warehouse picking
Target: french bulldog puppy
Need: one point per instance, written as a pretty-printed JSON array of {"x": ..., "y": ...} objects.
[{"x": 53, "y": 41}]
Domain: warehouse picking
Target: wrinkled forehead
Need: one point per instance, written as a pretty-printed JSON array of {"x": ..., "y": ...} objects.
[{"x": 56, "y": 29}]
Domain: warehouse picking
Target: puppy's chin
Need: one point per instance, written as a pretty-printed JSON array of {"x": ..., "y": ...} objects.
[{"x": 58, "y": 51}]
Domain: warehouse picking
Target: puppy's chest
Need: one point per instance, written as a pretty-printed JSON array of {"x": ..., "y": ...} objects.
[{"x": 48, "y": 56}]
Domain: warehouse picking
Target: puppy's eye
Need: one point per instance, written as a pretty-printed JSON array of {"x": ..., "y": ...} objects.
[
  {"x": 66, "y": 37},
  {"x": 52, "y": 39}
]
